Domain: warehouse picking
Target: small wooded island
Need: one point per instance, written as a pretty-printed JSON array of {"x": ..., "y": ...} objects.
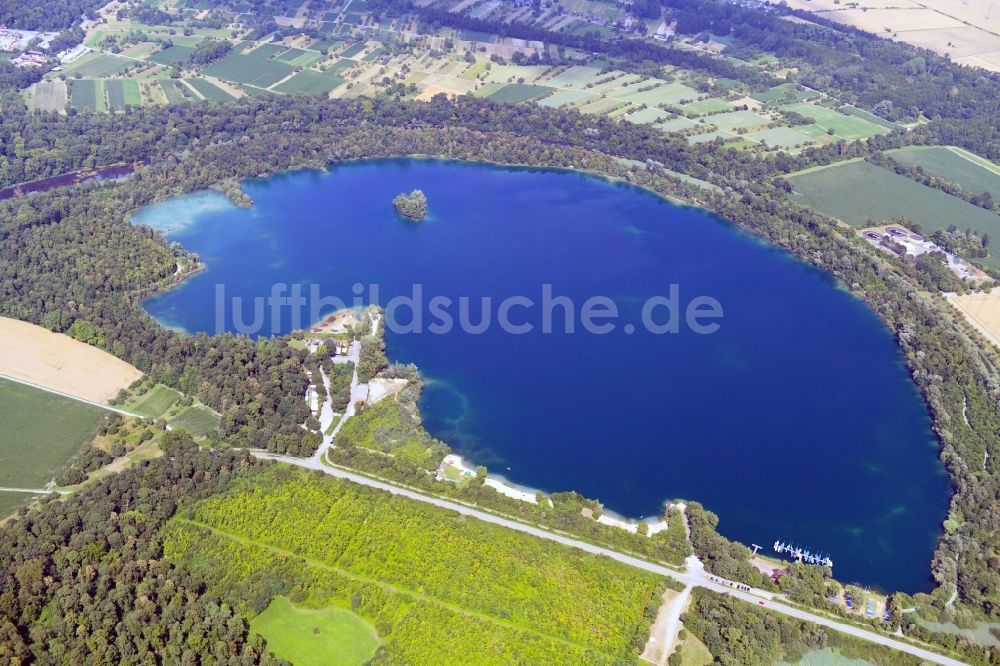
[{"x": 412, "y": 206}]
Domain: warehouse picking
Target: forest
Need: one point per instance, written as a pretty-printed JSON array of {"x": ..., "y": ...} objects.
[
  {"x": 765, "y": 638},
  {"x": 83, "y": 580}
]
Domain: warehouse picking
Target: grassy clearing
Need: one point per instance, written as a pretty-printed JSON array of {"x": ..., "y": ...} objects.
[
  {"x": 316, "y": 637},
  {"x": 153, "y": 403},
  {"x": 694, "y": 652},
  {"x": 389, "y": 427},
  {"x": 967, "y": 170},
  {"x": 863, "y": 194},
  {"x": 41, "y": 432},
  {"x": 199, "y": 421}
]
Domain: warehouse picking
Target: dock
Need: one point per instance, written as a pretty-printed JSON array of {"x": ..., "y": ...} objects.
[{"x": 802, "y": 554}]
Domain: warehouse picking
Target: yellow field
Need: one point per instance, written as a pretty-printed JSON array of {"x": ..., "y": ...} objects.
[
  {"x": 897, "y": 20},
  {"x": 58, "y": 362},
  {"x": 967, "y": 31},
  {"x": 982, "y": 311}
]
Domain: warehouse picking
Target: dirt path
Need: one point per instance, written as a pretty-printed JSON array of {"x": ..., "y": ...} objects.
[{"x": 663, "y": 633}]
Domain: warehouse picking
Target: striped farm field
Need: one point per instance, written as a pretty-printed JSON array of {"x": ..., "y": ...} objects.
[
  {"x": 519, "y": 92},
  {"x": 87, "y": 94},
  {"x": 969, "y": 171},
  {"x": 175, "y": 91},
  {"x": 209, "y": 91},
  {"x": 863, "y": 194},
  {"x": 49, "y": 96},
  {"x": 41, "y": 432},
  {"x": 309, "y": 81},
  {"x": 849, "y": 127},
  {"x": 98, "y": 65},
  {"x": 122, "y": 93}
]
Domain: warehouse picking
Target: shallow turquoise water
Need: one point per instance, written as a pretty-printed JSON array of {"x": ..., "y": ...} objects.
[{"x": 796, "y": 420}]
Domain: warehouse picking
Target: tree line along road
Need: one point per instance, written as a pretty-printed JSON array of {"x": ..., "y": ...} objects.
[{"x": 694, "y": 575}]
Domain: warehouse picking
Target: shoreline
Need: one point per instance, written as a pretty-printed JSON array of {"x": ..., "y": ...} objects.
[
  {"x": 704, "y": 207},
  {"x": 517, "y": 491}
]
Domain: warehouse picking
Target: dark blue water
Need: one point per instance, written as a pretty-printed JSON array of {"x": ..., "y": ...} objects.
[{"x": 795, "y": 420}]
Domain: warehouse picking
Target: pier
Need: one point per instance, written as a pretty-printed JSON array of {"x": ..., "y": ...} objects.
[{"x": 802, "y": 555}]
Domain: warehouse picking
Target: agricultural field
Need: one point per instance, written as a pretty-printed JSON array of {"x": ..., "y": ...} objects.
[
  {"x": 153, "y": 403},
  {"x": 781, "y": 137},
  {"x": 209, "y": 91},
  {"x": 982, "y": 310},
  {"x": 441, "y": 588},
  {"x": 97, "y": 65},
  {"x": 177, "y": 53},
  {"x": 175, "y": 91},
  {"x": 734, "y": 120},
  {"x": 156, "y": 401},
  {"x": 49, "y": 96},
  {"x": 304, "y": 66},
  {"x": 964, "y": 31},
  {"x": 58, "y": 362},
  {"x": 972, "y": 173},
  {"x": 310, "y": 81},
  {"x": 42, "y": 431},
  {"x": 519, "y": 92},
  {"x": 87, "y": 94},
  {"x": 863, "y": 195},
  {"x": 850, "y": 127},
  {"x": 122, "y": 93},
  {"x": 253, "y": 69},
  {"x": 329, "y": 636},
  {"x": 10, "y": 502}
]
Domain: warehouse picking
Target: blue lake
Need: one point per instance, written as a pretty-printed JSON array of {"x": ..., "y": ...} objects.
[{"x": 796, "y": 420}]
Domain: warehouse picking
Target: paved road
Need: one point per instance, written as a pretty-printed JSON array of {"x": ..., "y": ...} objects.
[
  {"x": 33, "y": 491},
  {"x": 694, "y": 576}
]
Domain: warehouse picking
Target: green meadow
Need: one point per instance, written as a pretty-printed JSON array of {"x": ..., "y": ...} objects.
[{"x": 329, "y": 636}]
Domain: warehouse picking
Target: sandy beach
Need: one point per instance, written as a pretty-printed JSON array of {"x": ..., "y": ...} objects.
[{"x": 336, "y": 322}]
